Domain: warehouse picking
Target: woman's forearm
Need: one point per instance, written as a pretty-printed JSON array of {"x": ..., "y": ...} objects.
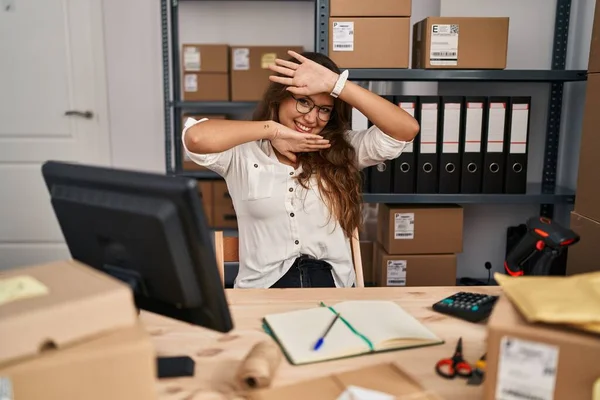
[
  {"x": 387, "y": 116},
  {"x": 216, "y": 135}
]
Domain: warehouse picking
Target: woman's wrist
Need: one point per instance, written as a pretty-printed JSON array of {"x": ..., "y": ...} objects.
[
  {"x": 269, "y": 129},
  {"x": 331, "y": 81}
]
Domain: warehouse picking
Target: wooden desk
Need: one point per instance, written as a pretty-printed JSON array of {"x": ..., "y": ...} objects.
[{"x": 217, "y": 356}]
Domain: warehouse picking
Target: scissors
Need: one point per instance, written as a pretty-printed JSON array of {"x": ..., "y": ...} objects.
[{"x": 455, "y": 365}]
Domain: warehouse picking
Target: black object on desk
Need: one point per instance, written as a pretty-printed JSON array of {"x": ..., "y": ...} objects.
[
  {"x": 472, "y": 307},
  {"x": 149, "y": 231}
]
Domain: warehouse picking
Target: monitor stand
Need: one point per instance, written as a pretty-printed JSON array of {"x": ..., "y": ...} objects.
[{"x": 166, "y": 367}]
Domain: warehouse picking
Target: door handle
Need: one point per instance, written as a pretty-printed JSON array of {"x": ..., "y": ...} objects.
[{"x": 83, "y": 114}]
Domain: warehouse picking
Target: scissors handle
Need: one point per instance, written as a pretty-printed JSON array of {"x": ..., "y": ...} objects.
[{"x": 449, "y": 368}]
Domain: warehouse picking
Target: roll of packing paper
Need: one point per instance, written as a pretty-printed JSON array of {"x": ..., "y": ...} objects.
[{"x": 259, "y": 366}]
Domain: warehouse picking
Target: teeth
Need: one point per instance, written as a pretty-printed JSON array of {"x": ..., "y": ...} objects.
[{"x": 304, "y": 128}]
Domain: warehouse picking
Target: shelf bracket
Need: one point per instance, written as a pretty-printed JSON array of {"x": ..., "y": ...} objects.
[
  {"x": 559, "y": 57},
  {"x": 322, "y": 26}
]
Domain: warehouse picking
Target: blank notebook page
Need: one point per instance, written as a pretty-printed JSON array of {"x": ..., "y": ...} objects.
[{"x": 383, "y": 320}]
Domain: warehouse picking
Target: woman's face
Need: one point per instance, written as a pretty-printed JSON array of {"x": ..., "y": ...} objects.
[{"x": 308, "y": 114}]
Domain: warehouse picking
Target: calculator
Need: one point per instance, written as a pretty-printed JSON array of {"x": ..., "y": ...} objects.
[{"x": 472, "y": 307}]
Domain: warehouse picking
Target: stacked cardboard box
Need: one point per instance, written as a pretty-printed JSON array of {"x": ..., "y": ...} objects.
[
  {"x": 219, "y": 72},
  {"x": 585, "y": 219},
  {"x": 365, "y": 34},
  {"x": 417, "y": 245},
  {"x": 70, "y": 332},
  {"x": 373, "y": 34},
  {"x": 217, "y": 203}
]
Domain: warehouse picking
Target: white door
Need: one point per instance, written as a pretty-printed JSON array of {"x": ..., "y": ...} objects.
[{"x": 51, "y": 62}]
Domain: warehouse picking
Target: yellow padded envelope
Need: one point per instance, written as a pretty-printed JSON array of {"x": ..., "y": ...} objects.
[{"x": 572, "y": 300}]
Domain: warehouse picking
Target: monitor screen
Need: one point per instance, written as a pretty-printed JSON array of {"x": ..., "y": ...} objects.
[{"x": 148, "y": 230}]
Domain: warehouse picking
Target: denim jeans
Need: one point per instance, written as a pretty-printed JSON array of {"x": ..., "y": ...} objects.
[{"x": 305, "y": 273}]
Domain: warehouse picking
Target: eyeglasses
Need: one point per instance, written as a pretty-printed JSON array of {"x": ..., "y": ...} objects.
[{"x": 304, "y": 105}]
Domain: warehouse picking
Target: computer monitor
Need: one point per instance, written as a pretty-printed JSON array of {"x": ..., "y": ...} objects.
[{"x": 148, "y": 230}]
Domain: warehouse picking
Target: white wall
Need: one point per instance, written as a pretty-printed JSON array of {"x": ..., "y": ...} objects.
[{"x": 133, "y": 46}]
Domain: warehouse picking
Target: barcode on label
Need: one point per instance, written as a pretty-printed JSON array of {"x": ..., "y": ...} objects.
[
  {"x": 397, "y": 282},
  {"x": 343, "y": 46},
  {"x": 443, "y": 53},
  {"x": 403, "y": 234}
]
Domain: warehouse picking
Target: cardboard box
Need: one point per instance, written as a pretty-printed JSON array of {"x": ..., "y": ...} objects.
[
  {"x": 224, "y": 212},
  {"x": 381, "y": 42},
  {"x": 584, "y": 256},
  {"x": 205, "y": 72},
  {"x": 120, "y": 365},
  {"x": 420, "y": 228},
  {"x": 385, "y": 378},
  {"x": 537, "y": 360},
  {"x": 366, "y": 255},
  {"x": 460, "y": 43},
  {"x": 413, "y": 269},
  {"x": 188, "y": 164},
  {"x": 587, "y": 199},
  {"x": 250, "y": 69},
  {"x": 594, "y": 58},
  {"x": 377, "y": 8},
  {"x": 55, "y": 304}
]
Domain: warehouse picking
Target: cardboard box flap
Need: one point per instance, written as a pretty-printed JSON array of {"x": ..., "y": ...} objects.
[
  {"x": 507, "y": 314},
  {"x": 386, "y": 378},
  {"x": 51, "y": 305},
  {"x": 118, "y": 365}
]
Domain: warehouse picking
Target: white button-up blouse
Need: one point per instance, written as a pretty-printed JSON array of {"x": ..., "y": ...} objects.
[{"x": 278, "y": 220}]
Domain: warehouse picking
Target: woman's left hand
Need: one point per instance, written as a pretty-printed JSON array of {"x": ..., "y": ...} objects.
[{"x": 306, "y": 78}]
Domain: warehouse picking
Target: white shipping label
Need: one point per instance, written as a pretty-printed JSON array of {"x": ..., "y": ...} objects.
[
  {"x": 190, "y": 83},
  {"x": 241, "y": 59},
  {"x": 396, "y": 273},
  {"x": 6, "y": 390},
  {"x": 343, "y": 36},
  {"x": 404, "y": 226},
  {"x": 410, "y": 109},
  {"x": 443, "y": 49},
  {"x": 526, "y": 370},
  {"x": 191, "y": 59},
  {"x": 518, "y": 128},
  {"x": 429, "y": 128},
  {"x": 495, "y": 139},
  {"x": 451, "y": 127},
  {"x": 473, "y": 127}
]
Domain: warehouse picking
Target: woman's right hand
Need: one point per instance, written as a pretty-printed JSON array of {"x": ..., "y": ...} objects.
[{"x": 288, "y": 141}]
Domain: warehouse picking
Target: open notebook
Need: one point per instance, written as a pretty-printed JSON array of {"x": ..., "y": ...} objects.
[{"x": 364, "y": 326}]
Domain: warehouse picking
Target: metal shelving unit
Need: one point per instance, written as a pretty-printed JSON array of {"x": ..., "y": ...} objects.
[{"x": 547, "y": 194}]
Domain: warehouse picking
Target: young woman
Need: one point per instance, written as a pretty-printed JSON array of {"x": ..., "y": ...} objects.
[{"x": 294, "y": 171}]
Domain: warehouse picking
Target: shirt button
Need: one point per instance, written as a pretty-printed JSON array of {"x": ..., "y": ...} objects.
[
  {"x": 296, "y": 242},
  {"x": 255, "y": 165},
  {"x": 291, "y": 189},
  {"x": 292, "y": 215},
  {"x": 291, "y": 173}
]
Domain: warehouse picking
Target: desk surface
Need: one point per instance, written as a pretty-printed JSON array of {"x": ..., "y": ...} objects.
[{"x": 218, "y": 355}]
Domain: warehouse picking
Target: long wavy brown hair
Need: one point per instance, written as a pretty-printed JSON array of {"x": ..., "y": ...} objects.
[{"x": 339, "y": 179}]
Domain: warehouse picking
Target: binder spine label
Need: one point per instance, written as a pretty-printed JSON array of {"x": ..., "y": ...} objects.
[
  {"x": 473, "y": 127},
  {"x": 451, "y": 127},
  {"x": 404, "y": 226},
  {"x": 444, "y": 44},
  {"x": 518, "y": 128},
  {"x": 343, "y": 36},
  {"x": 495, "y": 142},
  {"x": 410, "y": 109},
  {"x": 396, "y": 273},
  {"x": 429, "y": 128}
]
